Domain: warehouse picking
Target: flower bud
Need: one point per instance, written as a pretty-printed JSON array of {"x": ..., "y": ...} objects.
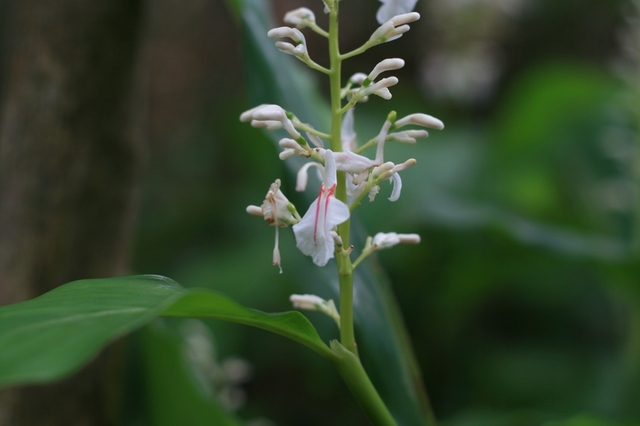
[
  {"x": 408, "y": 136},
  {"x": 300, "y": 17},
  {"x": 385, "y": 65},
  {"x": 311, "y": 302},
  {"x": 423, "y": 120},
  {"x": 387, "y": 240},
  {"x": 380, "y": 88}
]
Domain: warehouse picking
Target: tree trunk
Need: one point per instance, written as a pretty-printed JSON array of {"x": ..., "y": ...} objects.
[{"x": 69, "y": 172}]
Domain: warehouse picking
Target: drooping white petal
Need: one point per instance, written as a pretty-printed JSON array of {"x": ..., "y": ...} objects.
[
  {"x": 380, "y": 140},
  {"x": 302, "y": 178},
  {"x": 392, "y": 8},
  {"x": 347, "y": 132},
  {"x": 397, "y": 187}
]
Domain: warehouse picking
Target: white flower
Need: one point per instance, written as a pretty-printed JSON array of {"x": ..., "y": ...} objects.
[
  {"x": 298, "y": 50},
  {"x": 278, "y": 211},
  {"x": 391, "y": 8},
  {"x": 385, "y": 65},
  {"x": 380, "y": 88},
  {"x": 314, "y": 232},
  {"x": 268, "y": 115},
  {"x": 394, "y": 27},
  {"x": 387, "y": 240},
  {"x": 423, "y": 120},
  {"x": 311, "y": 302},
  {"x": 408, "y": 136},
  {"x": 300, "y": 17}
]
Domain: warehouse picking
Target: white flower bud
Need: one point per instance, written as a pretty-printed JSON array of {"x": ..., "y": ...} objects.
[
  {"x": 308, "y": 302},
  {"x": 288, "y": 143},
  {"x": 387, "y": 240},
  {"x": 300, "y": 17},
  {"x": 423, "y": 120},
  {"x": 379, "y": 87},
  {"x": 405, "y": 18},
  {"x": 287, "y": 153},
  {"x": 285, "y": 47},
  {"x": 286, "y": 32},
  {"x": 358, "y": 78},
  {"x": 311, "y": 302},
  {"x": 267, "y": 124},
  {"x": 247, "y": 115},
  {"x": 385, "y": 65},
  {"x": 408, "y": 136},
  {"x": 254, "y": 210},
  {"x": 270, "y": 113},
  {"x": 291, "y": 148},
  {"x": 382, "y": 31},
  {"x": 394, "y": 27}
]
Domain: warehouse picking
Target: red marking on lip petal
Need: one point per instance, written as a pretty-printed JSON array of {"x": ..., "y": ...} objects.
[
  {"x": 315, "y": 224},
  {"x": 326, "y": 206}
]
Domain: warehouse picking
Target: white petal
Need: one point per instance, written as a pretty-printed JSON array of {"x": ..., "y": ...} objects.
[
  {"x": 392, "y": 8},
  {"x": 385, "y": 65},
  {"x": 397, "y": 187},
  {"x": 330, "y": 176},
  {"x": 351, "y": 162},
  {"x": 347, "y": 132},
  {"x": 313, "y": 232}
]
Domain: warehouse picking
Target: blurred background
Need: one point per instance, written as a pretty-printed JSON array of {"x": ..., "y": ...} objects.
[{"x": 522, "y": 302}]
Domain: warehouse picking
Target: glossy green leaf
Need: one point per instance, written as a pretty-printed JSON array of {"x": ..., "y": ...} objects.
[
  {"x": 48, "y": 337},
  {"x": 274, "y": 77}
]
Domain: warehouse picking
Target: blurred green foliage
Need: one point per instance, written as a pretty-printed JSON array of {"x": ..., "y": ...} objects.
[{"x": 522, "y": 303}]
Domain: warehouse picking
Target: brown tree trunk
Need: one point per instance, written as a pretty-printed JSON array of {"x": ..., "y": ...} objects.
[{"x": 69, "y": 172}]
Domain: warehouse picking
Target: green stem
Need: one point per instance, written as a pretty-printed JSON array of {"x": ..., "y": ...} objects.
[
  {"x": 347, "y": 334},
  {"x": 361, "y": 387}
]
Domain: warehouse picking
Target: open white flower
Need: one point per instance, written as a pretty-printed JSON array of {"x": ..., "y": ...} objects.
[
  {"x": 314, "y": 233},
  {"x": 278, "y": 211}
]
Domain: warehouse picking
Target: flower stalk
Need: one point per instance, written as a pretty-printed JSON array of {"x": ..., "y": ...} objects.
[{"x": 347, "y": 177}]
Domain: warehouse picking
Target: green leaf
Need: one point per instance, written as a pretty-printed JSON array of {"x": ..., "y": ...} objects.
[{"x": 48, "y": 337}]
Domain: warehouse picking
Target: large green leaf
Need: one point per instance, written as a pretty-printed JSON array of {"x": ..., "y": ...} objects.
[
  {"x": 277, "y": 78},
  {"x": 48, "y": 337}
]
